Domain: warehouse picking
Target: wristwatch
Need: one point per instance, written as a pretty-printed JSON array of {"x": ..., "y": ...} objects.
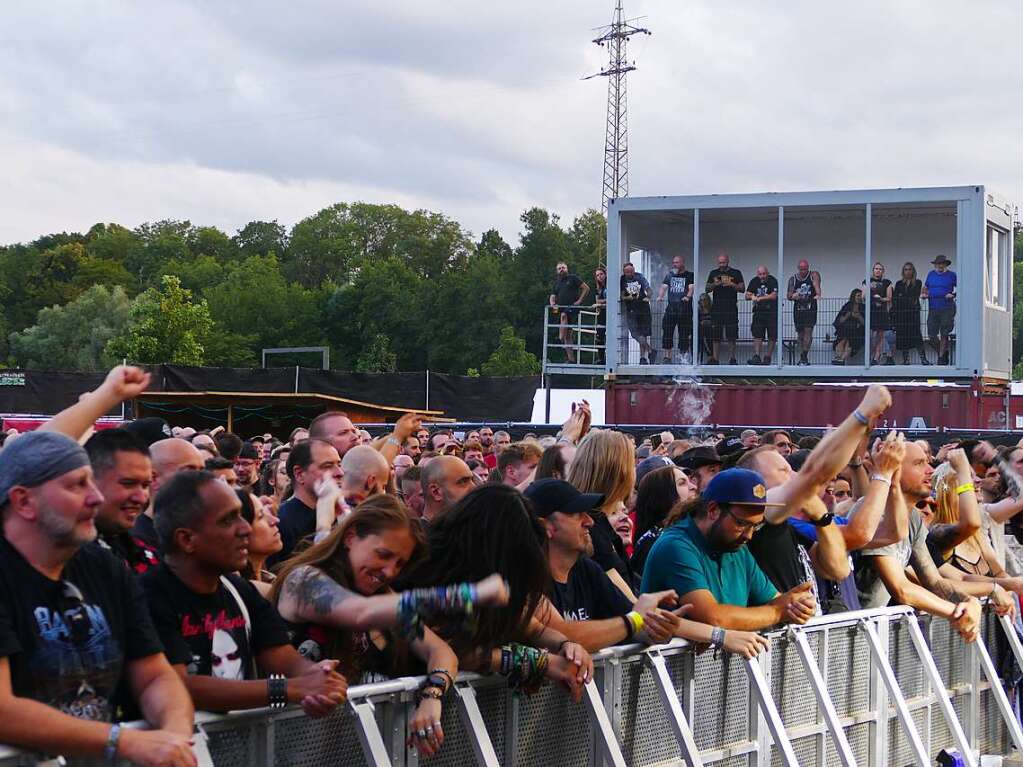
[{"x": 824, "y": 521}]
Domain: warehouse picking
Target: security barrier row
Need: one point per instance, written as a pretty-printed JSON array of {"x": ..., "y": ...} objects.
[{"x": 878, "y": 687}]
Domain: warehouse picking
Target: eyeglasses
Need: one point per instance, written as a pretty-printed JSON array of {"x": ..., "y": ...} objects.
[
  {"x": 841, "y": 493},
  {"x": 789, "y": 445},
  {"x": 74, "y": 614},
  {"x": 744, "y": 524}
]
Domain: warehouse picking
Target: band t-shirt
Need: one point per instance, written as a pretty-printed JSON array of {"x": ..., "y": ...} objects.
[
  {"x": 939, "y": 285},
  {"x": 295, "y": 522},
  {"x": 778, "y": 551},
  {"x": 589, "y": 594},
  {"x": 804, "y": 290},
  {"x": 70, "y": 655},
  {"x": 725, "y": 300},
  {"x": 638, "y": 288},
  {"x": 206, "y": 632},
  {"x": 760, "y": 288},
  {"x": 678, "y": 286},
  {"x": 566, "y": 289}
]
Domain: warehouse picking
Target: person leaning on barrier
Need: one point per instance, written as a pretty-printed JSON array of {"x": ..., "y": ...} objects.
[
  {"x": 73, "y": 623},
  {"x": 219, "y": 633},
  {"x": 337, "y": 595},
  {"x": 703, "y": 557},
  {"x": 493, "y": 528},
  {"x": 123, "y": 473},
  {"x": 569, "y": 291},
  {"x": 881, "y": 573}
]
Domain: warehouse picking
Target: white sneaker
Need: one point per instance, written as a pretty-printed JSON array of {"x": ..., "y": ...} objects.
[{"x": 687, "y": 358}]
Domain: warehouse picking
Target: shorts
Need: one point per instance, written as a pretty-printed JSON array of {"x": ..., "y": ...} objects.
[
  {"x": 804, "y": 318},
  {"x": 638, "y": 320},
  {"x": 765, "y": 326},
  {"x": 941, "y": 322},
  {"x": 724, "y": 328},
  {"x": 570, "y": 314}
]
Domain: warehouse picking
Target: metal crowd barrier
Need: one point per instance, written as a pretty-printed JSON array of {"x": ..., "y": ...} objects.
[{"x": 879, "y": 687}]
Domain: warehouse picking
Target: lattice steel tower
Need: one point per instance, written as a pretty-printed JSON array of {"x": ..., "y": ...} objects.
[{"x": 616, "y": 143}]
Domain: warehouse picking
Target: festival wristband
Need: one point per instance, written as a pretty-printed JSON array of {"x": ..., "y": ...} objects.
[
  {"x": 881, "y": 478},
  {"x": 966, "y": 487},
  {"x": 636, "y": 620},
  {"x": 860, "y": 417},
  {"x": 717, "y": 637},
  {"x": 113, "y": 738}
]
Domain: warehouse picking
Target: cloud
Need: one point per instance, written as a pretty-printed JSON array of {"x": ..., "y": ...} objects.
[{"x": 228, "y": 112}]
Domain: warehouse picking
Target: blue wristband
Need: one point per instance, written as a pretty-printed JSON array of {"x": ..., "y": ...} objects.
[
  {"x": 860, "y": 417},
  {"x": 113, "y": 738}
]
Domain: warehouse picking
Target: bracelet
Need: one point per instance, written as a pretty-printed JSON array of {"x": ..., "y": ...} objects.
[
  {"x": 277, "y": 690},
  {"x": 860, "y": 417},
  {"x": 524, "y": 666},
  {"x": 443, "y": 672},
  {"x": 880, "y": 478},
  {"x": 966, "y": 487},
  {"x": 113, "y": 738},
  {"x": 636, "y": 620},
  {"x": 629, "y": 630},
  {"x": 417, "y": 604},
  {"x": 561, "y": 645},
  {"x": 717, "y": 637},
  {"x": 392, "y": 440}
]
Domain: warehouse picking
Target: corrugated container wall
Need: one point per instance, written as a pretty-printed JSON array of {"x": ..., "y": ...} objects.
[{"x": 691, "y": 403}]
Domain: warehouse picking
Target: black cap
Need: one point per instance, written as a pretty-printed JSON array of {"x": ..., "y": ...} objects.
[
  {"x": 695, "y": 457},
  {"x": 551, "y": 495},
  {"x": 728, "y": 446},
  {"x": 149, "y": 430},
  {"x": 653, "y": 463}
]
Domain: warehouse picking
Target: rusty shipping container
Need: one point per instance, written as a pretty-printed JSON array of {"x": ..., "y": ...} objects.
[{"x": 695, "y": 403}]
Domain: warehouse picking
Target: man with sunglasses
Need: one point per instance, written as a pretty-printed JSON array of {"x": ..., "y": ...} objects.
[
  {"x": 781, "y": 440},
  {"x": 705, "y": 559},
  {"x": 73, "y": 624}
]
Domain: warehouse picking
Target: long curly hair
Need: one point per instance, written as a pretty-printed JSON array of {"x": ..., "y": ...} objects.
[{"x": 492, "y": 529}]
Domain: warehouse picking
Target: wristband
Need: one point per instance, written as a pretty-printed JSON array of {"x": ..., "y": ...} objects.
[
  {"x": 966, "y": 487},
  {"x": 880, "y": 478},
  {"x": 636, "y": 622},
  {"x": 277, "y": 690},
  {"x": 717, "y": 637},
  {"x": 860, "y": 417},
  {"x": 393, "y": 441},
  {"x": 113, "y": 738}
]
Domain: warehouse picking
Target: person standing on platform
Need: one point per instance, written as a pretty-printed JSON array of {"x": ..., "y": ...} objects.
[
  {"x": 763, "y": 292},
  {"x": 906, "y": 314},
  {"x": 678, "y": 286},
  {"x": 635, "y": 293},
  {"x": 724, "y": 285},
  {"x": 804, "y": 288},
  {"x": 568, "y": 292},
  {"x": 940, "y": 292}
]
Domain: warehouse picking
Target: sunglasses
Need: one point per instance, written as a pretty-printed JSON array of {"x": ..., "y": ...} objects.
[
  {"x": 744, "y": 524},
  {"x": 76, "y": 617}
]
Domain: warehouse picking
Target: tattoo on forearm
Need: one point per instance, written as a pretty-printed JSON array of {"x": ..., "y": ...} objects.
[{"x": 311, "y": 588}]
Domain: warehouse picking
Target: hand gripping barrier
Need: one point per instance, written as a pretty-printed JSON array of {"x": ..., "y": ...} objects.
[{"x": 876, "y": 687}]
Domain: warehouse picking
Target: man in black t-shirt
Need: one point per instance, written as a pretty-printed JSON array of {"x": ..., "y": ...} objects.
[
  {"x": 635, "y": 295},
  {"x": 803, "y": 290},
  {"x": 595, "y": 612},
  {"x": 569, "y": 291},
  {"x": 123, "y": 474},
  {"x": 678, "y": 286},
  {"x": 220, "y": 634},
  {"x": 308, "y": 462},
  {"x": 73, "y": 624},
  {"x": 763, "y": 292},
  {"x": 168, "y": 456},
  {"x": 724, "y": 285}
]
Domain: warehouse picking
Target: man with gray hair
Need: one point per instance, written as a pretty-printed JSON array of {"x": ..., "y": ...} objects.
[
  {"x": 445, "y": 481},
  {"x": 75, "y": 626}
]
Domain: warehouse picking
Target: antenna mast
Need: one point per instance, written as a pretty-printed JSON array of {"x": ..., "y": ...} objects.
[{"x": 615, "y": 37}]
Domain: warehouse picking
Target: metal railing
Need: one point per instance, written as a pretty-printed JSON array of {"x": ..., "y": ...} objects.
[
  {"x": 878, "y": 687},
  {"x": 692, "y": 343}
]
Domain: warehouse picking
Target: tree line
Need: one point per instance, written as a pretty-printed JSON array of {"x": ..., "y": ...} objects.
[{"x": 385, "y": 288}]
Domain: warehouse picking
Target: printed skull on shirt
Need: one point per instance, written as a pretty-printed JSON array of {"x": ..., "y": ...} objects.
[{"x": 206, "y": 632}]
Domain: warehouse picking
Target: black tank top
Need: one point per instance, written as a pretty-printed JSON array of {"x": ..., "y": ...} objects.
[{"x": 806, "y": 293}]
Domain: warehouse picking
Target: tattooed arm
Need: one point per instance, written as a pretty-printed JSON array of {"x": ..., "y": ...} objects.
[{"x": 310, "y": 596}]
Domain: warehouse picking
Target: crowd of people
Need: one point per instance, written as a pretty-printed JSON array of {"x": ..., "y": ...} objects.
[
  {"x": 152, "y": 571},
  {"x": 895, "y": 313}
]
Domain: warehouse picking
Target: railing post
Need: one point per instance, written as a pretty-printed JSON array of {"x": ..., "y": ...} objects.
[
  {"x": 605, "y": 734},
  {"x": 931, "y": 669},
  {"x": 369, "y": 734},
  {"x": 673, "y": 708},
  {"x": 988, "y": 667},
  {"x": 842, "y": 746},
  {"x": 890, "y": 682},
  {"x": 775, "y": 725},
  {"x": 472, "y": 721}
]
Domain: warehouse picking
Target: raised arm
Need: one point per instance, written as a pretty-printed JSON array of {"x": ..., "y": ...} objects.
[
  {"x": 122, "y": 383},
  {"x": 949, "y": 536},
  {"x": 827, "y": 459},
  {"x": 390, "y": 445},
  {"x": 829, "y": 554},
  {"x": 865, "y": 522}
]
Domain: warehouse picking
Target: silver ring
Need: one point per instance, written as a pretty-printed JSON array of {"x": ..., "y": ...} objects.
[
  {"x": 429, "y": 728},
  {"x": 437, "y": 725},
  {"x": 421, "y": 733}
]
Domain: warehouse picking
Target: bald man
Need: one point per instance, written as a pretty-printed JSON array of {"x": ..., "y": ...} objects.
[
  {"x": 445, "y": 481},
  {"x": 168, "y": 456},
  {"x": 366, "y": 473}
]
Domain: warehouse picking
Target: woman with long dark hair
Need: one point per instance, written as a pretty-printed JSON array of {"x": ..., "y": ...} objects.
[
  {"x": 264, "y": 540},
  {"x": 658, "y": 493},
  {"x": 849, "y": 328},
  {"x": 338, "y": 593},
  {"x": 492, "y": 528},
  {"x": 906, "y": 314}
]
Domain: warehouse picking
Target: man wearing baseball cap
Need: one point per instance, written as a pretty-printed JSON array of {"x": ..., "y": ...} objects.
[
  {"x": 704, "y": 558},
  {"x": 75, "y": 626},
  {"x": 940, "y": 291}
]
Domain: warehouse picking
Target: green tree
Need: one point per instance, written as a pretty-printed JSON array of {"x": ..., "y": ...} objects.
[
  {"x": 210, "y": 241},
  {"x": 261, "y": 238},
  {"x": 74, "y": 336},
  {"x": 165, "y": 325},
  {"x": 542, "y": 245},
  {"x": 377, "y": 357},
  {"x": 158, "y": 244},
  {"x": 510, "y": 358}
]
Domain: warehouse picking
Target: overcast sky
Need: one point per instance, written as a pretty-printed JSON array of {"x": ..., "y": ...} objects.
[{"x": 225, "y": 112}]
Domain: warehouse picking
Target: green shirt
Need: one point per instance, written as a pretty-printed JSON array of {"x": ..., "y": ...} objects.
[{"x": 681, "y": 559}]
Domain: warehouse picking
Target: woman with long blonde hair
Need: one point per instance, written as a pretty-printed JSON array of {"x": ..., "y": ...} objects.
[{"x": 604, "y": 464}]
